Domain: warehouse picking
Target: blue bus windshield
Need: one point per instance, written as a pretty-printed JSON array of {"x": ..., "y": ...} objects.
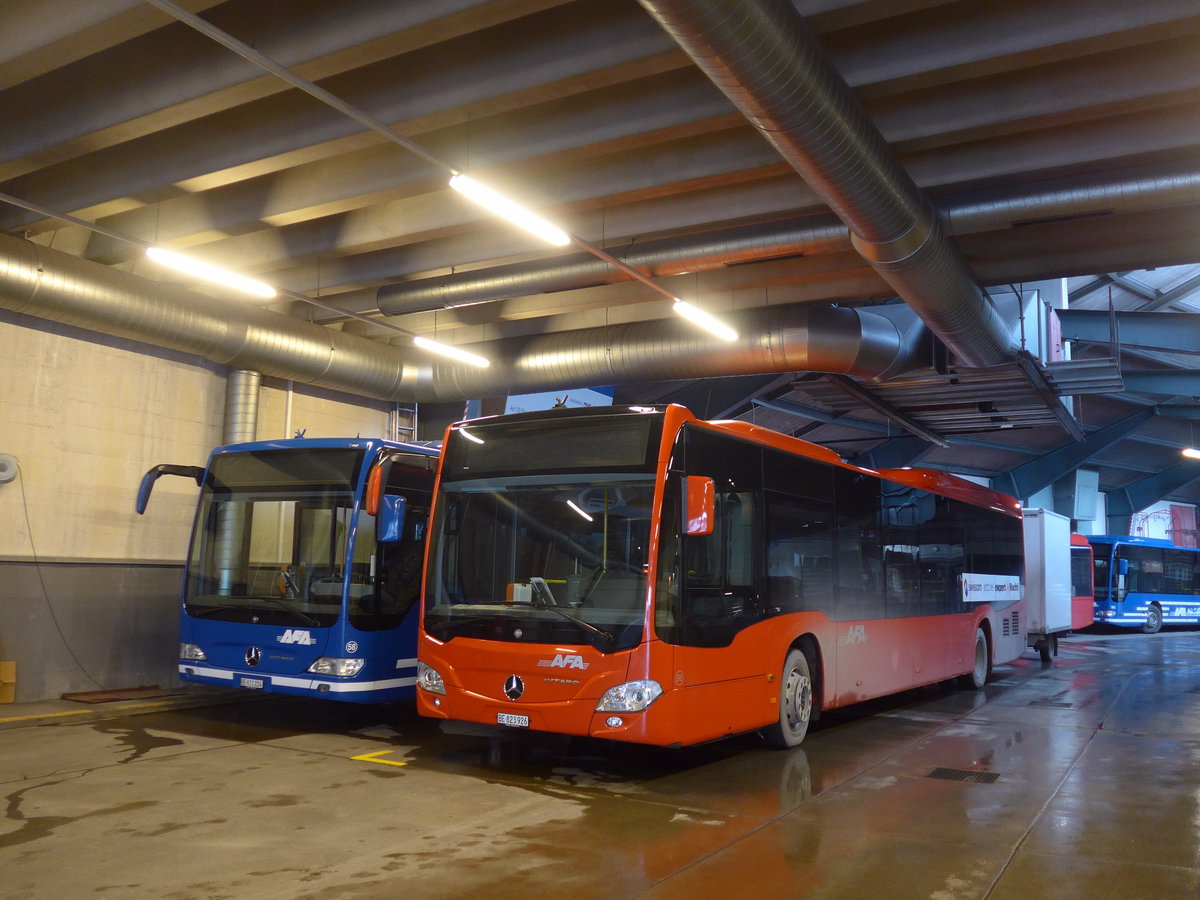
[{"x": 271, "y": 536}]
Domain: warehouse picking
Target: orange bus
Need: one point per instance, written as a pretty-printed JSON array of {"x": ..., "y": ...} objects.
[{"x": 637, "y": 574}]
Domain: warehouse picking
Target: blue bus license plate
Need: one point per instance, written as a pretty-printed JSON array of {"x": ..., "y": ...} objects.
[
  {"x": 256, "y": 684},
  {"x": 511, "y": 720}
]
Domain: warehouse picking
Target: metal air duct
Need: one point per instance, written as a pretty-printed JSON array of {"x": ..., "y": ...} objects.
[
  {"x": 763, "y": 57},
  {"x": 38, "y": 281},
  {"x": 798, "y": 338}
]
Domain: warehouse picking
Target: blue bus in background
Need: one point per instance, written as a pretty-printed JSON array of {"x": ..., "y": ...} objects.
[
  {"x": 1145, "y": 582},
  {"x": 305, "y": 565}
]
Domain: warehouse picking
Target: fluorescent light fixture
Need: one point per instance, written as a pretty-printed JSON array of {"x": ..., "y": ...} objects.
[
  {"x": 571, "y": 503},
  {"x": 451, "y": 352},
  {"x": 1191, "y": 453},
  {"x": 502, "y": 206},
  {"x": 470, "y": 437},
  {"x": 210, "y": 273},
  {"x": 707, "y": 321}
]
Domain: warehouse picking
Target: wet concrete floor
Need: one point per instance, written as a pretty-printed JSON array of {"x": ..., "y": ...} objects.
[{"x": 1076, "y": 780}]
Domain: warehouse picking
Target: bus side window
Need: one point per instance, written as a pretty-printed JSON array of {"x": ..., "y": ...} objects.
[{"x": 800, "y": 572}]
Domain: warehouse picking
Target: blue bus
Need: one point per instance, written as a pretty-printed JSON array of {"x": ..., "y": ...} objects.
[
  {"x": 305, "y": 565},
  {"x": 1145, "y": 582}
]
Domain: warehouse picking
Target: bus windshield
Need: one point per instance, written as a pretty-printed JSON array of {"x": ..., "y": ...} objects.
[
  {"x": 271, "y": 538},
  {"x": 541, "y": 559}
]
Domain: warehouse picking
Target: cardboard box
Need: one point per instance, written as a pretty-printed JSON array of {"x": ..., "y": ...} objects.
[{"x": 8, "y": 681}]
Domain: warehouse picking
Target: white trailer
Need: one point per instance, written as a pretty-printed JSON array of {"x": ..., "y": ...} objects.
[{"x": 1047, "y": 579}]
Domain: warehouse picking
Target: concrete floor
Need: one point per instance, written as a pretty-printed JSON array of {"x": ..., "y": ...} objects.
[{"x": 1097, "y": 794}]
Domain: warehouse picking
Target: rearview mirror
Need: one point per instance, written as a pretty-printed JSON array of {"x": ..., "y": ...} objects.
[{"x": 147, "y": 485}]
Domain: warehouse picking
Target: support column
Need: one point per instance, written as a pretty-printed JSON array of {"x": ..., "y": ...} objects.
[
  {"x": 241, "y": 406},
  {"x": 240, "y": 424}
]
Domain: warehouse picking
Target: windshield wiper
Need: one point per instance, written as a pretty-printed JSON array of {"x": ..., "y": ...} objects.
[
  {"x": 208, "y": 611},
  {"x": 205, "y": 611},
  {"x": 542, "y": 592},
  {"x": 298, "y": 613}
]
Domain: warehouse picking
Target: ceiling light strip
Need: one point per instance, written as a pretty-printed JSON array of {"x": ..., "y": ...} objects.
[
  {"x": 433, "y": 346},
  {"x": 250, "y": 54},
  {"x": 200, "y": 269}
]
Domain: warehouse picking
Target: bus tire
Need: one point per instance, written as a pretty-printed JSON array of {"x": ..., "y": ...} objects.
[
  {"x": 977, "y": 677},
  {"x": 1153, "y": 623},
  {"x": 795, "y": 702}
]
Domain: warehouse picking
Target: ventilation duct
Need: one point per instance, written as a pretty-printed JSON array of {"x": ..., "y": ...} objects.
[
  {"x": 798, "y": 338},
  {"x": 46, "y": 283},
  {"x": 763, "y": 57}
]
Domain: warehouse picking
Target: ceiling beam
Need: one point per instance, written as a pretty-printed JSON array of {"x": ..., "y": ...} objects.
[
  {"x": 861, "y": 394},
  {"x": 1029, "y": 478},
  {"x": 1173, "y": 332}
]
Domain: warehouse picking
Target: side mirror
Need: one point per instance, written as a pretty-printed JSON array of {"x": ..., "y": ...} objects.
[
  {"x": 1122, "y": 567},
  {"x": 701, "y": 505},
  {"x": 390, "y": 526},
  {"x": 157, "y": 472},
  {"x": 378, "y": 478}
]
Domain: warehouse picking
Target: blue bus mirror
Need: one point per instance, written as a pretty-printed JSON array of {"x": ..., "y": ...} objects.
[
  {"x": 1122, "y": 567},
  {"x": 147, "y": 485},
  {"x": 391, "y": 519}
]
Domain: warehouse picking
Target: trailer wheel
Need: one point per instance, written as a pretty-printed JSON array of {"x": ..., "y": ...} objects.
[
  {"x": 1153, "y": 623},
  {"x": 795, "y": 703},
  {"x": 1048, "y": 647},
  {"x": 977, "y": 677}
]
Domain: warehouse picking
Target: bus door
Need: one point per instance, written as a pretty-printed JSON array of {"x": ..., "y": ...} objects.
[{"x": 384, "y": 574}]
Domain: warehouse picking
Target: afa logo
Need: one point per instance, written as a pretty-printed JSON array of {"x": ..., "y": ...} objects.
[
  {"x": 297, "y": 636},
  {"x": 856, "y": 635},
  {"x": 564, "y": 661}
]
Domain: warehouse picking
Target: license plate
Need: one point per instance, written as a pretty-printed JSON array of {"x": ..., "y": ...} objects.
[
  {"x": 511, "y": 720},
  {"x": 256, "y": 684}
]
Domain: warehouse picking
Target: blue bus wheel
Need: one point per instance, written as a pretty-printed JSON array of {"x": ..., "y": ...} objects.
[{"x": 1153, "y": 623}]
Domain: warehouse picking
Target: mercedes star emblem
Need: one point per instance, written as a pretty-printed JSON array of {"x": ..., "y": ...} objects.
[
  {"x": 253, "y": 656},
  {"x": 514, "y": 687}
]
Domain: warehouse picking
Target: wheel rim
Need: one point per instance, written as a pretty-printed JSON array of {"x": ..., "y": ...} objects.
[
  {"x": 797, "y": 700},
  {"x": 1153, "y": 617}
]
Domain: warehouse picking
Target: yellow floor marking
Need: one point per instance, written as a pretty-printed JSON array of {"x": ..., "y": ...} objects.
[
  {"x": 372, "y": 757},
  {"x": 74, "y": 712},
  {"x": 144, "y": 705}
]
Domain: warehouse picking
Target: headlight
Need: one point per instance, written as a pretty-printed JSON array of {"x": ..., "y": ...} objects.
[
  {"x": 191, "y": 651},
  {"x": 632, "y": 696},
  {"x": 428, "y": 679},
  {"x": 332, "y": 665}
]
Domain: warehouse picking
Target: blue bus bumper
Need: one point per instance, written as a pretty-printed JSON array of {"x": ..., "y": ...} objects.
[{"x": 345, "y": 690}]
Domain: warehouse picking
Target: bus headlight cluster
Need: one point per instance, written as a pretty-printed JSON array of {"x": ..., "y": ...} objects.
[
  {"x": 429, "y": 679},
  {"x": 333, "y": 665},
  {"x": 191, "y": 651},
  {"x": 632, "y": 696}
]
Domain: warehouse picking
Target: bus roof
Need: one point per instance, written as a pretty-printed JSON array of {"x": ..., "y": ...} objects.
[
  {"x": 1131, "y": 539},
  {"x": 428, "y": 448},
  {"x": 931, "y": 480}
]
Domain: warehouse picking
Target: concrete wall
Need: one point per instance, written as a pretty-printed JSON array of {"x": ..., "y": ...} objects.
[{"x": 89, "y": 590}]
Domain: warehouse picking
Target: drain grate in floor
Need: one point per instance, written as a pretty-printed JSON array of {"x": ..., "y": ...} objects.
[
  {"x": 1051, "y": 704},
  {"x": 964, "y": 775}
]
